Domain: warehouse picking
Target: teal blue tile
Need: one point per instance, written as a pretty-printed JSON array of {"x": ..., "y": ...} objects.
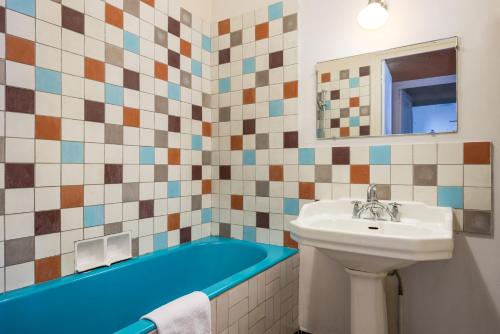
[
  {"x": 174, "y": 91},
  {"x": 26, "y": 7},
  {"x": 114, "y": 94},
  {"x": 93, "y": 215},
  {"x": 71, "y": 152},
  {"x": 451, "y": 197},
  {"x": 206, "y": 215},
  {"x": 147, "y": 155},
  {"x": 306, "y": 156},
  {"x": 328, "y": 105},
  {"x": 196, "y": 68},
  {"x": 354, "y": 121},
  {"x": 196, "y": 142},
  {"x": 224, "y": 85},
  {"x": 380, "y": 155},
  {"x": 276, "y": 108},
  {"x": 249, "y": 157},
  {"x": 206, "y": 43},
  {"x": 249, "y": 65},
  {"x": 249, "y": 233},
  {"x": 354, "y": 82},
  {"x": 291, "y": 206},
  {"x": 160, "y": 240},
  {"x": 174, "y": 189},
  {"x": 131, "y": 42},
  {"x": 48, "y": 81},
  {"x": 275, "y": 11}
]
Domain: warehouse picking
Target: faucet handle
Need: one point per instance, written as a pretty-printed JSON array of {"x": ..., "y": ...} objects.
[
  {"x": 356, "y": 202},
  {"x": 395, "y": 204}
]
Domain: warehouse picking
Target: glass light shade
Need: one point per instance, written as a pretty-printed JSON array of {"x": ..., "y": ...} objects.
[{"x": 373, "y": 16}]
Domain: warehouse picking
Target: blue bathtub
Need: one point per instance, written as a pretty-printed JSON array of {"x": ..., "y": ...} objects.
[{"x": 112, "y": 299}]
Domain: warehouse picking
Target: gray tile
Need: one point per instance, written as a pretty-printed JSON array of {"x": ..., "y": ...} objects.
[
  {"x": 262, "y": 141},
  {"x": 2, "y": 71},
  {"x": 262, "y": 78},
  {"x": 130, "y": 192},
  {"x": 186, "y": 17},
  {"x": 224, "y": 114},
  {"x": 161, "y": 104},
  {"x": 161, "y": 173},
  {"x": 113, "y": 228},
  {"x": 131, "y": 7},
  {"x": 206, "y": 157},
  {"x": 19, "y": 250},
  {"x": 2, "y": 149},
  {"x": 196, "y": 202},
  {"x": 225, "y": 230},
  {"x": 384, "y": 192},
  {"x": 478, "y": 222},
  {"x": 135, "y": 247},
  {"x": 161, "y": 37},
  {"x": 344, "y": 112},
  {"x": 364, "y": 111},
  {"x": 113, "y": 134},
  {"x": 344, "y": 74},
  {"x": 290, "y": 23},
  {"x": 206, "y": 100},
  {"x": 236, "y": 38},
  {"x": 185, "y": 79},
  {"x": 114, "y": 55},
  {"x": 262, "y": 188},
  {"x": 323, "y": 173},
  {"x": 425, "y": 175},
  {"x": 161, "y": 138}
]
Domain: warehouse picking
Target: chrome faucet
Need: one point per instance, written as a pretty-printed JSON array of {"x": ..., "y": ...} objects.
[{"x": 375, "y": 210}]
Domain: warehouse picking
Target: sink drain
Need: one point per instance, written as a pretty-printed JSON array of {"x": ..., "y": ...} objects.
[{"x": 373, "y": 227}]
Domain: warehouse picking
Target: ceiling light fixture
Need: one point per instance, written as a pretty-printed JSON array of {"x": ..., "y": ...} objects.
[{"x": 374, "y": 15}]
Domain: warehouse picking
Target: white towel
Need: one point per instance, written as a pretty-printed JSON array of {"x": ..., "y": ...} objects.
[{"x": 189, "y": 314}]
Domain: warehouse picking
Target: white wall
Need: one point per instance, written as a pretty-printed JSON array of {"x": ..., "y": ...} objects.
[
  {"x": 460, "y": 296},
  {"x": 199, "y": 8}
]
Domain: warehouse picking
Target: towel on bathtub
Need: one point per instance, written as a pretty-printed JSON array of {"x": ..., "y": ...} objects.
[{"x": 189, "y": 314}]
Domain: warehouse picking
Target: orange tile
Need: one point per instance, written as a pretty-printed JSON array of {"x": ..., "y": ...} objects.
[
  {"x": 249, "y": 96},
  {"x": 290, "y": 89},
  {"x": 185, "y": 48},
  {"x": 262, "y": 31},
  {"x": 19, "y": 50},
  {"x": 360, "y": 174},
  {"x": 478, "y": 153},
  {"x": 173, "y": 221},
  {"x": 174, "y": 156},
  {"x": 114, "y": 16},
  {"x": 288, "y": 241},
  {"x": 149, "y": 2},
  {"x": 276, "y": 173},
  {"x": 325, "y": 77},
  {"x": 94, "y": 69},
  {"x": 206, "y": 186},
  {"x": 237, "y": 202},
  {"x": 206, "y": 129},
  {"x": 354, "y": 102},
  {"x": 236, "y": 143},
  {"x": 224, "y": 27},
  {"x": 344, "y": 132},
  {"x": 47, "y": 269},
  {"x": 306, "y": 190},
  {"x": 161, "y": 71},
  {"x": 131, "y": 117},
  {"x": 47, "y": 127},
  {"x": 71, "y": 196}
]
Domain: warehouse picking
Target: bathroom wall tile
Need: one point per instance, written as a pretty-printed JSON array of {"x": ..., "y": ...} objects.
[
  {"x": 477, "y": 153},
  {"x": 425, "y": 175}
]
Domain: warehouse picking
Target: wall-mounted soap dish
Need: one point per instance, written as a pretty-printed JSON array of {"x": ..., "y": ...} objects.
[{"x": 102, "y": 251}]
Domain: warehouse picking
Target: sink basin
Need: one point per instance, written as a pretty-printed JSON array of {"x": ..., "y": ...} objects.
[{"x": 369, "y": 249}]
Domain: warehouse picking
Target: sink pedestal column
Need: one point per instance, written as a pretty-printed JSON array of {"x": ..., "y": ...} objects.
[{"x": 368, "y": 305}]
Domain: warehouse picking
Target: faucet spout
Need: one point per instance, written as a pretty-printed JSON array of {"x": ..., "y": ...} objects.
[{"x": 371, "y": 193}]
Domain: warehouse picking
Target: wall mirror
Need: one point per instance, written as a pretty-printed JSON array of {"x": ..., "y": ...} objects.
[{"x": 401, "y": 91}]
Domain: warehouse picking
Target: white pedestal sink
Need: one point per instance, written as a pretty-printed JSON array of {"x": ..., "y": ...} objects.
[{"x": 369, "y": 249}]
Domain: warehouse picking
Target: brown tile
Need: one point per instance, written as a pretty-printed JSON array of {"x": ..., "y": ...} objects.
[
  {"x": 477, "y": 153},
  {"x": 2, "y": 19},
  {"x": 149, "y": 2},
  {"x": 173, "y": 221},
  {"x": 19, "y": 175},
  {"x": 113, "y": 173},
  {"x": 344, "y": 132},
  {"x": 131, "y": 117},
  {"x": 206, "y": 157},
  {"x": 289, "y": 23},
  {"x": 196, "y": 172},
  {"x": 236, "y": 38},
  {"x": 195, "y": 202},
  {"x": 306, "y": 190},
  {"x": 479, "y": 222},
  {"x": 225, "y": 230},
  {"x": 262, "y": 31},
  {"x": 114, "y": 55},
  {"x": 47, "y": 222},
  {"x": 174, "y": 26},
  {"x": 174, "y": 59},
  {"x": 364, "y": 71},
  {"x": 19, "y": 50},
  {"x": 276, "y": 173},
  {"x": 131, "y": 79},
  {"x": 146, "y": 209},
  {"x": 276, "y": 59},
  {"x": 94, "y": 69},
  {"x": 262, "y": 219},
  {"x": 262, "y": 141},
  {"x": 72, "y": 20},
  {"x": 224, "y": 56},
  {"x": 224, "y": 27},
  {"x": 225, "y": 172},
  {"x": 161, "y": 104},
  {"x": 174, "y": 123},
  {"x": 290, "y": 89},
  {"x": 249, "y": 96},
  {"x": 291, "y": 139},
  {"x": 364, "y": 130},
  {"x": 161, "y": 71},
  {"x": 248, "y": 126},
  {"x": 47, "y": 269},
  {"x": 384, "y": 192},
  {"x": 185, "y": 48},
  {"x": 94, "y": 111},
  {"x": 236, "y": 143},
  {"x": 185, "y": 79},
  {"x": 262, "y": 78},
  {"x": 113, "y": 228},
  {"x": 114, "y": 16},
  {"x": 360, "y": 174},
  {"x": 196, "y": 112},
  {"x": 206, "y": 129},
  {"x": 174, "y": 156},
  {"x": 206, "y": 187},
  {"x": 19, "y": 250},
  {"x": 71, "y": 196},
  {"x": 130, "y": 192},
  {"x": 185, "y": 234},
  {"x": 19, "y": 100},
  {"x": 341, "y": 155},
  {"x": 335, "y": 123},
  {"x": 325, "y": 77},
  {"x": 224, "y": 114},
  {"x": 344, "y": 74},
  {"x": 424, "y": 175},
  {"x": 335, "y": 94},
  {"x": 288, "y": 241},
  {"x": 161, "y": 173},
  {"x": 47, "y": 127},
  {"x": 113, "y": 134},
  {"x": 131, "y": 7},
  {"x": 161, "y": 37},
  {"x": 354, "y": 102},
  {"x": 161, "y": 139},
  {"x": 262, "y": 188},
  {"x": 323, "y": 173},
  {"x": 237, "y": 202},
  {"x": 186, "y": 17}
]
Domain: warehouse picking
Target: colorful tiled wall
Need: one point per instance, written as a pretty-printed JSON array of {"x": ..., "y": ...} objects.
[{"x": 106, "y": 127}]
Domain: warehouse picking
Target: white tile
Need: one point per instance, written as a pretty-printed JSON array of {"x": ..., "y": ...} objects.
[
  {"x": 47, "y": 198},
  {"x": 341, "y": 190},
  {"x": 450, "y": 175},
  {"x": 68, "y": 239},
  {"x": 19, "y": 276},
  {"x": 451, "y": 153},
  {"x": 67, "y": 264},
  {"x": 380, "y": 174},
  {"x": 401, "y": 193},
  {"x": 19, "y": 226},
  {"x": 341, "y": 174},
  {"x": 48, "y": 151},
  {"x": 47, "y": 245},
  {"x": 424, "y": 154},
  {"x": 20, "y": 25},
  {"x": 477, "y": 198},
  {"x": 427, "y": 195},
  {"x": 47, "y": 175},
  {"x": 71, "y": 219},
  {"x": 72, "y": 174},
  {"x": 401, "y": 154},
  {"x": 360, "y": 155},
  {"x": 48, "y": 104},
  {"x": 20, "y": 75},
  {"x": 19, "y": 200},
  {"x": 477, "y": 175},
  {"x": 402, "y": 174},
  {"x": 19, "y": 125}
]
